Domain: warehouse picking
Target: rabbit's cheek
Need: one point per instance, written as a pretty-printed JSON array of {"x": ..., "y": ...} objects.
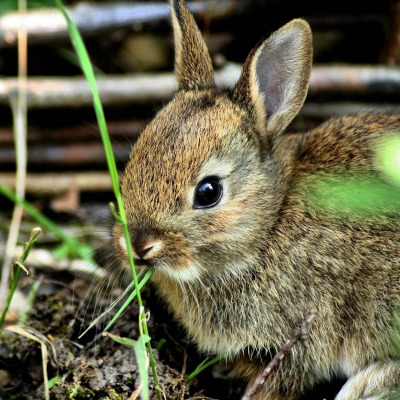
[
  {"x": 221, "y": 225},
  {"x": 119, "y": 242},
  {"x": 178, "y": 255}
]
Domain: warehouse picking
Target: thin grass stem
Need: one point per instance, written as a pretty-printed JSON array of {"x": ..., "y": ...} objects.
[
  {"x": 89, "y": 74},
  {"x": 19, "y": 111},
  {"x": 73, "y": 245},
  {"x": 14, "y": 282},
  {"x": 203, "y": 365}
]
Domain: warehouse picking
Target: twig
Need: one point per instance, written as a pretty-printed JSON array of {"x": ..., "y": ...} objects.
[
  {"x": 38, "y": 337},
  {"x": 87, "y": 132},
  {"x": 58, "y": 183},
  {"x": 18, "y": 101},
  {"x": 46, "y": 25},
  {"x": 355, "y": 79},
  {"x": 300, "y": 333},
  {"x": 68, "y": 154}
]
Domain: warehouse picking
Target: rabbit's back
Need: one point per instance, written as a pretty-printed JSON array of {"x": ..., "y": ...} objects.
[{"x": 345, "y": 143}]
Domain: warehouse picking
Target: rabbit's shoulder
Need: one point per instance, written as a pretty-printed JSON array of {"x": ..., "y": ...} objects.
[{"x": 345, "y": 143}]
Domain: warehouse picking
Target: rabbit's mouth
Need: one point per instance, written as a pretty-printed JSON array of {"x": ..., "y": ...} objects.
[{"x": 140, "y": 262}]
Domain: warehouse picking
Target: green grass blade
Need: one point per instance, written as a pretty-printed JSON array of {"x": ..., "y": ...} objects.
[
  {"x": 128, "y": 342},
  {"x": 352, "y": 196},
  {"x": 142, "y": 360},
  {"x": 129, "y": 299},
  {"x": 87, "y": 69},
  {"x": 75, "y": 248},
  {"x": 14, "y": 282},
  {"x": 203, "y": 365},
  {"x": 109, "y": 308},
  {"x": 90, "y": 77},
  {"x": 114, "y": 304},
  {"x": 387, "y": 156},
  {"x": 88, "y": 72}
]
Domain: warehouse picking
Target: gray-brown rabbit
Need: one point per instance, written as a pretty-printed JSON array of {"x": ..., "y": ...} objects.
[{"x": 220, "y": 203}]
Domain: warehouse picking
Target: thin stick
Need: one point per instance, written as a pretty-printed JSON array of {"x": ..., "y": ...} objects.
[
  {"x": 19, "y": 111},
  {"x": 300, "y": 333},
  {"x": 47, "y": 25}
]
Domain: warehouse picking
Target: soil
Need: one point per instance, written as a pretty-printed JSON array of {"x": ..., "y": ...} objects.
[{"x": 94, "y": 366}]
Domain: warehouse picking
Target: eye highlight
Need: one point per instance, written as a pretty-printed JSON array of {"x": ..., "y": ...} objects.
[{"x": 208, "y": 192}]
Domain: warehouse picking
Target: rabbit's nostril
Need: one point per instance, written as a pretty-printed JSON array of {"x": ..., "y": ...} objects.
[
  {"x": 144, "y": 245},
  {"x": 146, "y": 249}
]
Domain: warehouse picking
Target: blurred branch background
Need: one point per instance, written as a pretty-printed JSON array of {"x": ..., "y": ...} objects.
[{"x": 356, "y": 68}]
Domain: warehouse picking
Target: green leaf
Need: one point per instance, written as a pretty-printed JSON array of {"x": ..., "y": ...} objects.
[
  {"x": 130, "y": 298},
  {"x": 54, "y": 381},
  {"x": 75, "y": 248},
  {"x": 142, "y": 360},
  {"x": 203, "y": 365},
  {"x": 353, "y": 195},
  {"x": 15, "y": 279},
  {"x": 388, "y": 158},
  {"x": 128, "y": 342}
]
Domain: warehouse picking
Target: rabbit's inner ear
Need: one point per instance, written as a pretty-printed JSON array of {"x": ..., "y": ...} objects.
[
  {"x": 193, "y": 65},
  {"x": 275, "y": 77}
]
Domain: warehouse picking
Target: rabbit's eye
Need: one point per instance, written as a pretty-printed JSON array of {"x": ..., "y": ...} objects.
[{"x": 208, "y": 192}]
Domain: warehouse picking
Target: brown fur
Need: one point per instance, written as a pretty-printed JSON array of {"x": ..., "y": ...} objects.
[{"x": 240, "y": 276}]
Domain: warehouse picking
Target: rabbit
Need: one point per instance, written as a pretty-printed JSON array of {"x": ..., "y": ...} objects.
[{"x": 219, "y": 202}]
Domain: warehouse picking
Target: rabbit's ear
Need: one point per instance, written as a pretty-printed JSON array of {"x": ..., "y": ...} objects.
[
  {"x": 274, "y": 79},
  {"x": 193, "y": 65}
]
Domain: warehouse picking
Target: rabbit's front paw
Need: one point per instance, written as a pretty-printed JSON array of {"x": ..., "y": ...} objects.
[{"x": 379, "y": 381}]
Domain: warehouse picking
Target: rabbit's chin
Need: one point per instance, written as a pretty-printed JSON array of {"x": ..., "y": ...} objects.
[
  {"x": 189, "y": 273},
  {"x": 193, "y": 272}
]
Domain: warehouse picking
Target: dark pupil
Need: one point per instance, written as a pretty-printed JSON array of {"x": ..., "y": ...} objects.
[{"x": 208, "y": 192}]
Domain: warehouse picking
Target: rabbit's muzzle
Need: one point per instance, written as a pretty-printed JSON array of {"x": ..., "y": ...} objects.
[
  {"x": 145, "y": 246},
  {"x": 168, "y": 252}
]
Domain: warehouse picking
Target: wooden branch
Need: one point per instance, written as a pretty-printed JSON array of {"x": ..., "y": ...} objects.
[
  {"x": 43, "y": 259},
  {"x": 355, "y": 79},
  {"x": 326, "y": 110},
  {"x": 300, "y": 333},
  {"x": 58, "y": 183},
  {"x": 75, "y": 92},
  {"x": 71, "y": 154},
  {"x": 145, "y": 88},
  {"x": 121, "y": 131},
  {"x": 46, "y": 25}
]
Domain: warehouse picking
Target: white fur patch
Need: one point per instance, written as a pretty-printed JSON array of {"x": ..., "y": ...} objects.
[
  {"x": 189, "y": 273},
  {"x": 155, "y": 248}
]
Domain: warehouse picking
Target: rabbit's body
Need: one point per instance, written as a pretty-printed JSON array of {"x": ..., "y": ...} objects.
[
  {"x": 227, "y": 211},
  {"x": 306, "y": 260}
]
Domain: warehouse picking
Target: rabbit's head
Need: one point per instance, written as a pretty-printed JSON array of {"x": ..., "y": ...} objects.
[{"x": 204, "y": 181}]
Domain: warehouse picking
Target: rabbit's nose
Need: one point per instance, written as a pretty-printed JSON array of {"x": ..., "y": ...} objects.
[
  {"x": 147, "y": 249},
  {"x": 144, "y": 246}
]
